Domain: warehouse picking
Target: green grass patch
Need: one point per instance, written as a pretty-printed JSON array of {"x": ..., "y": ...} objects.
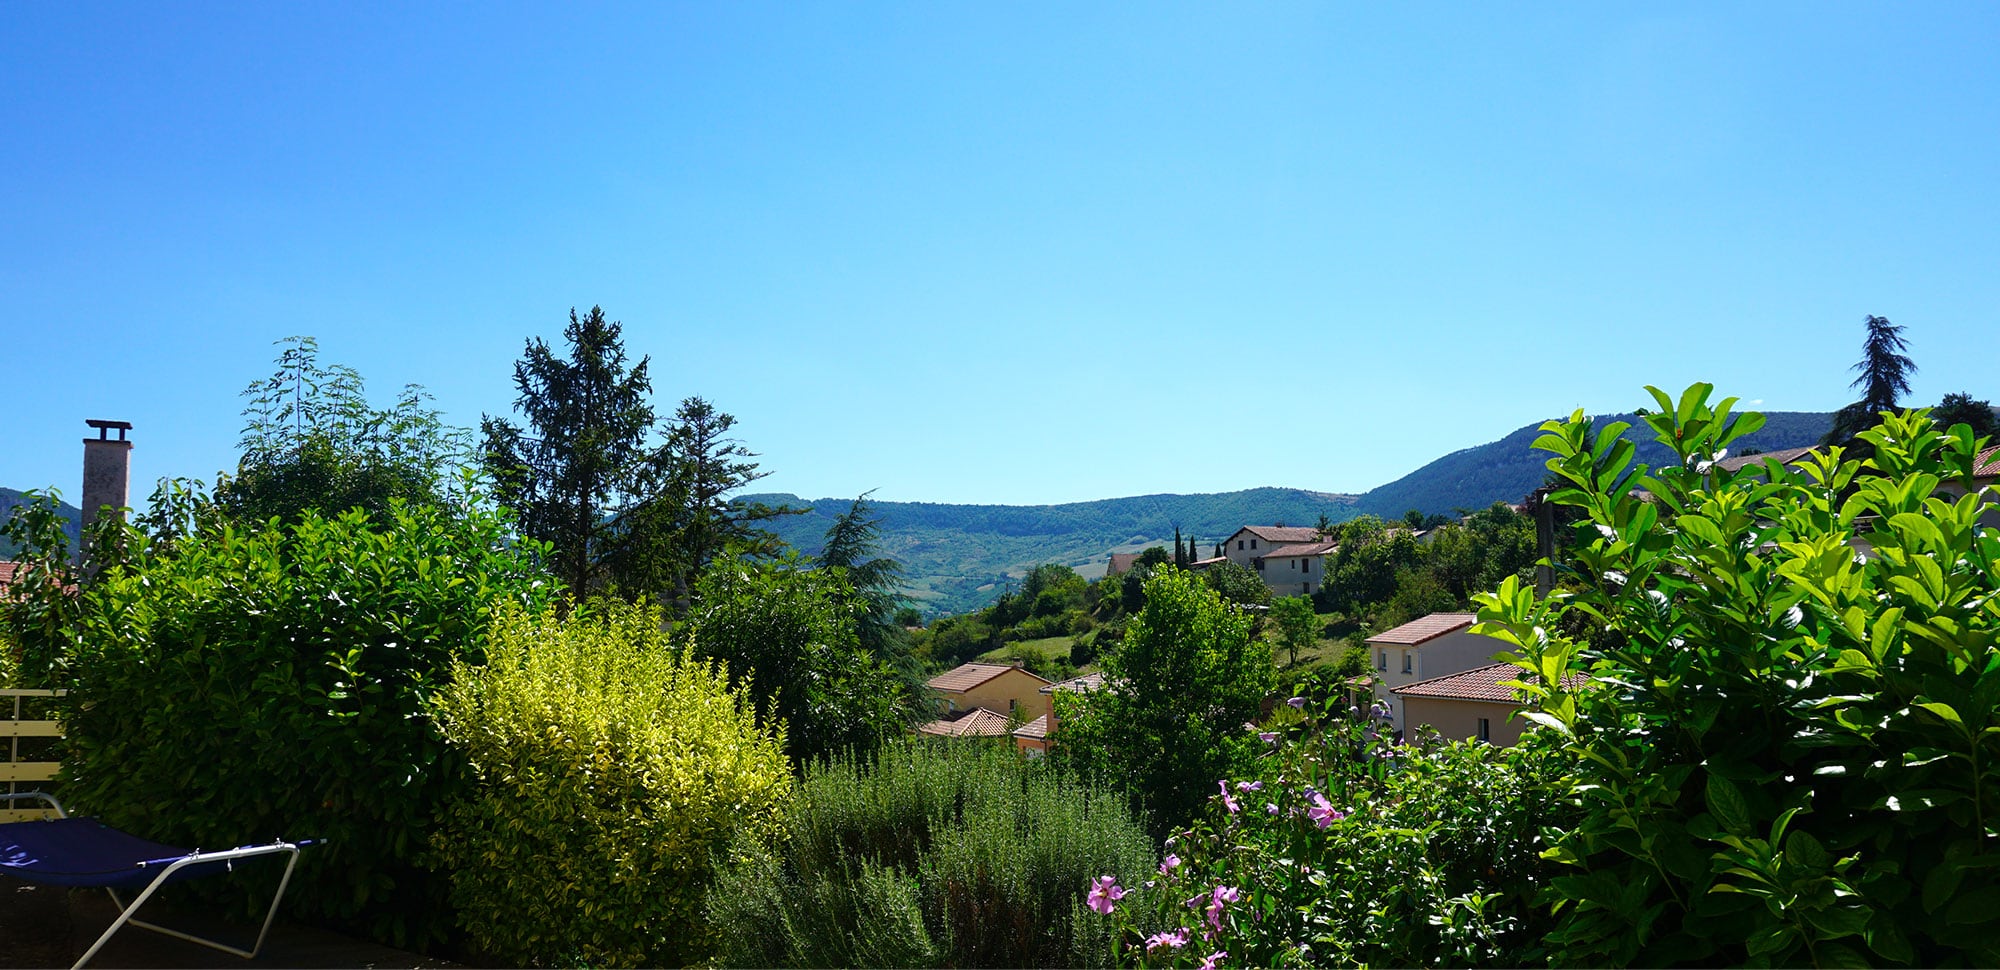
[{"x": 1049, "y": 648}]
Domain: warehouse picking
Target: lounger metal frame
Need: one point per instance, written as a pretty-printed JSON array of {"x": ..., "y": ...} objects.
[{"x": 126, "y": 914}]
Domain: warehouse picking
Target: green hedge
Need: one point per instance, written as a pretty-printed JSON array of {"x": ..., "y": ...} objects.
[
  {"x": 243, "y": 686},
  {"x": 610, "y": 768}
]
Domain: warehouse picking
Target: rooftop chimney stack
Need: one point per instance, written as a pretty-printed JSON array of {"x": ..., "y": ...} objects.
[{"x": 107, "y": 469}]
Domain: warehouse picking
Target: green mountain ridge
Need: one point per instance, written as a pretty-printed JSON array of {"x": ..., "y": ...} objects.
[
  {"x": 958, "y": 557},
  {"x": 72, "y": 517}
]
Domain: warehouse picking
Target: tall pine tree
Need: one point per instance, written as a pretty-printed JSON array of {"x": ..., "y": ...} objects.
[
  {"x": 575, "y": 474},
  {"x": 1884, "y": 372}
]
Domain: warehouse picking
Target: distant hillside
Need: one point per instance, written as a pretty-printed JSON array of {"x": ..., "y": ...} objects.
[
  {"x": 1508, "y": 469},
  {"x": 956, "y": 557},
  {"x": 10, "y": 498}
]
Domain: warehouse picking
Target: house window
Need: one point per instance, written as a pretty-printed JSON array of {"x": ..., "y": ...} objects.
[
  {"x": 1306, "y": 564},
  {"x": 1485, "y": 729},
  {"x": 1010, "y": 706},
  {"x": 1291, "y": 564},
  {"x": 1382, "y": 660},
  {"x": 1253, "y": 543},
  {"x": 1239, "y": 545},
  {"x": 1406, "y": 662},
  {"x": 1260, "y": 565}
]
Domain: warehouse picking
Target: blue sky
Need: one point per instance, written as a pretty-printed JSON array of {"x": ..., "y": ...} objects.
[{"x": 1015, "y": 253}]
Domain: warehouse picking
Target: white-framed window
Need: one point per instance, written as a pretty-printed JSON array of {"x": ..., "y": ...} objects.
[
  {"x": 1408, "y": 662},
  {"x": 1382, "y": 660}
]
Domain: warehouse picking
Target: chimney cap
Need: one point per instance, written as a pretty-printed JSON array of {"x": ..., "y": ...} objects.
[{"x": 104, "y": 428}]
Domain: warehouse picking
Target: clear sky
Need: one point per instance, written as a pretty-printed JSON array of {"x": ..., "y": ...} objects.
[{"x": 995, "y": 252}]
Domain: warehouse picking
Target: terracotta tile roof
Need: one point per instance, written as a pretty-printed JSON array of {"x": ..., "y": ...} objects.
[
  {"x": 1037, "y": 728},
  {"x": 1303, "y": 549},
  {"x": 1086, "y": 682},
  {"x": 965, "y": 677},
  {"x": 1480, "y": 684},
  {"x": 1988, "y": 463},
  {"x": 1783, "y": 456},
  {"x": 976, "y": 723},
  {"x": 1121, "y": 562},
  {"x": 7, "y": 572},
  {"x": 1428, "y": 628},
  {"x": 1281, "y": 533}
]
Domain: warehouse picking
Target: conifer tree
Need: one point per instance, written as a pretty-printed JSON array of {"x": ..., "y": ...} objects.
[
  {"x": 1884, "y": 377},
  {"x": 582, "y": 463}
]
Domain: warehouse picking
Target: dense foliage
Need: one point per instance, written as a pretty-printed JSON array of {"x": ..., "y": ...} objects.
[
  {"x": 311, "y": 440},
  {"x": 1788, "y": 746},
  {"x": 791, "y": 633},
  {"x": 930, "y": 853},
  {"x": 610, "y": 768},
  {"x": 575, "y": 474},
  {"x": 239, "y": 686},
  {"x": 1177, "y": 692},
  {"x": 38, "y": 608},
  {"x": 1340, "y": 848},
  {"x": 620, "y": 509}
]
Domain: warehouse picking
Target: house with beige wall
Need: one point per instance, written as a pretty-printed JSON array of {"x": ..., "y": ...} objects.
[
  {"x": 1033, "y": 737},
  {"x": 1433, "y": 646},
  {"x": 1472, "y": 704},
  {"x": 1006, "y": 694}
]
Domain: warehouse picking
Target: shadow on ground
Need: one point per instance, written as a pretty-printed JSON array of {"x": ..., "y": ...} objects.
[{"x": 45, "y": 926}]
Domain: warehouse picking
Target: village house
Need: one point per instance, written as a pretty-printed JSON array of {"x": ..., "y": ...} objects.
[
  {"x": 1426, "y": 648},
  {"x": 1033, "y": 737},
  {"x": 986, "y": 700},
  {"x": 1471, "y": 704}
]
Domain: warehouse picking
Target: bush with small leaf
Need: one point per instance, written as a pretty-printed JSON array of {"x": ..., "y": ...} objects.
[
  {"x": 610, "y": 768},
  {"x": 930, "y": 853}
]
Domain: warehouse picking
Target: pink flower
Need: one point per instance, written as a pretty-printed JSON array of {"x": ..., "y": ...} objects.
[
  {"x": 1323, "y": 813},
  {"x": 1104, "y": 894},
  {"x": 1249, "y": 786},
  {"x": 1299, "y": 702},
  {"x": 1222, "y": 896},
  {"x": 1176, "y": 939},
  {"x": 1214, "y": 960},
  {"x": 1169, "y": 864},
  {"x": 1227, "y": 802},
  {"x": 1268, "y": 737}
]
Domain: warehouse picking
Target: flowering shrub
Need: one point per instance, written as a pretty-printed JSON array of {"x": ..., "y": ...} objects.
[{"x": 1347, "y": 848}]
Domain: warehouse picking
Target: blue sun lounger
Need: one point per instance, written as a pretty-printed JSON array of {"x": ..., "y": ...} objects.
[{"x": 83, "y": 852}]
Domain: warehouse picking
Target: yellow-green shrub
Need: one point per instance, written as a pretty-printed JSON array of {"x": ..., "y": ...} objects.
[{"x": 610, "y": 767}]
